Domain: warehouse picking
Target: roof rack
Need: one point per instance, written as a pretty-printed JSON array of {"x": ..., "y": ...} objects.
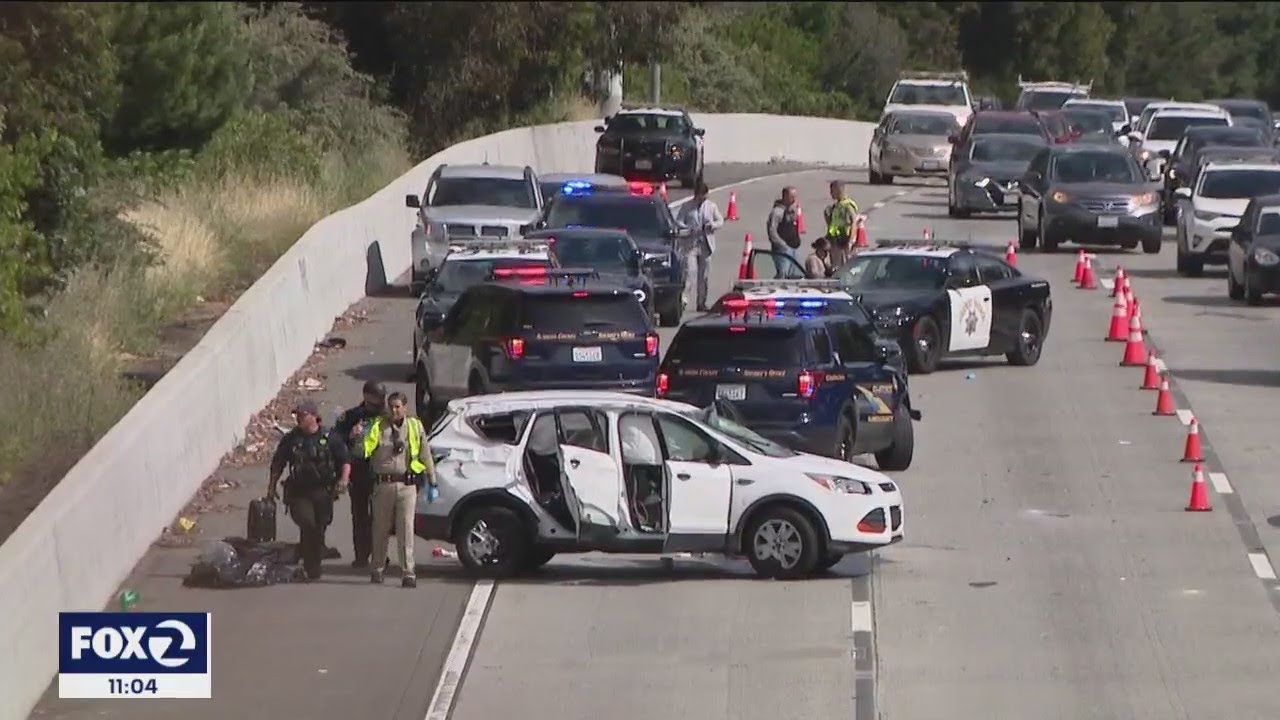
[
  {"x": 1025, "y": 84},
  {"x": 955, "y": 75},
  {"x": 826, "y": 284}
]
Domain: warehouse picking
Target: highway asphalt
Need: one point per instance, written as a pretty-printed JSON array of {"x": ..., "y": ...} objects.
[{"x": 1049, "y": 570}]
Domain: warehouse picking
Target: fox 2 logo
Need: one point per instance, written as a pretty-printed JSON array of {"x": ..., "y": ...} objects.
[{"x": 133, "y": 643}]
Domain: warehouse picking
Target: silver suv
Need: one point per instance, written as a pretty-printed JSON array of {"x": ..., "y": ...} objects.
[{"x": 467, "y": 202}]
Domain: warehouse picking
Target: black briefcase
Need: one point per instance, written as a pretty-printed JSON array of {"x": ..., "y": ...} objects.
[{"x": 262, "y": 520}]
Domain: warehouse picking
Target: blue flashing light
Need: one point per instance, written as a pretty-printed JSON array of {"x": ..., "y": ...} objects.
[{"x": 577, "y": 187}]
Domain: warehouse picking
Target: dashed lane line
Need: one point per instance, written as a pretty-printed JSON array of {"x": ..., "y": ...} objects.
[
  {"x": 455, "y": 664},
  {"x": 1262, "y": 566},
  {"x": 1184, "y": 416},
  {"x": 1221, "y": 485}
]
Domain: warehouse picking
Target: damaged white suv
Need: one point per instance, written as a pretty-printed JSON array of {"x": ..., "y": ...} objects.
[{"x": 526, "y": 475}]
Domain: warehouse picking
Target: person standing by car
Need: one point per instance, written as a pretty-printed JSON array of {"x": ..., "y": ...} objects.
[
  {"x": 841, "y": 216},
  {"x": 783, "y": 230},
  {"x": 319, "y": 471},
  {"x": 349, "y": 430},
  {"x": 701, "y": 216},
  {"x": 400, "y": 460}
]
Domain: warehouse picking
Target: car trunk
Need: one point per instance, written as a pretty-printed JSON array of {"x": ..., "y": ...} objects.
[
  {"x": 584, "y": 336},
  {"x": 757, "y": 369}
]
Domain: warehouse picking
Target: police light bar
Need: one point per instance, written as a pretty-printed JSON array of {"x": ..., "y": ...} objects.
[
  {"x": 576, "y": 187},
  {"x": 734, "y": 305},
  {"x": 522, "y": 272},
  {"x": 779, "y": 284}
]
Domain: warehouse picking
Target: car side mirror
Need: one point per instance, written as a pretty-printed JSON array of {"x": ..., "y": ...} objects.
[
  {"x": 700, "y": 131},
  {"x": 1183, "y": 192},
  {"x": 1163, "y": 154},
  {"x": 953, "y": 139},
  {"x": 1124, "y": 129},
  {"x": 599, "y": 128},
  {"x": 1135, "y": 137},
  {"x": 412, "y": 201}
]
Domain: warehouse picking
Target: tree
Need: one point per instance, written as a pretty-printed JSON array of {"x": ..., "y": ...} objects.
[
  {"x": 863, "y": 54},
  {"x": 184, "y": 69}
]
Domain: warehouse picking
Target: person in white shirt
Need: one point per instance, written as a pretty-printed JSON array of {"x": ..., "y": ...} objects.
[{"x": 702, "y": 216}]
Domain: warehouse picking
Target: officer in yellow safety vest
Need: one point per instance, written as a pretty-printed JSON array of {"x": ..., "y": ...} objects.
[
  {"x": 841, "y": 217},
  {"x": 400, "y": 462}
]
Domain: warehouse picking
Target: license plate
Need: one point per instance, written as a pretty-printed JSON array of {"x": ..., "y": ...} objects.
[
  {"x": 932, "y": 165},
  {"x": 1108, "y": 222},
  {"x": 731, "y": 392},
  {"x": 644, "y": 164},
  {"x": 587, "y": 354}
]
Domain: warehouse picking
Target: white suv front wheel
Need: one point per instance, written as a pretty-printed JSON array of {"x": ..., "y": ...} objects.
[{"x": 782, "y": 544}]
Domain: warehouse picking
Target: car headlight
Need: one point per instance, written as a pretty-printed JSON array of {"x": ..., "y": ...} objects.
[
  {"x": 641, "y": 295},
  {"x": 1145, "y": 200},
  {"x": 1059, "y": 197},
  {"x": 1206, "y": 215},
  {"x": 1263, "y": 256},
  {"x": 835, "y": 483}
]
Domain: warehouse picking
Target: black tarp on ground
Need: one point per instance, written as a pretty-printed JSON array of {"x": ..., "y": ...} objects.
[{"x": 237, "y": 562}]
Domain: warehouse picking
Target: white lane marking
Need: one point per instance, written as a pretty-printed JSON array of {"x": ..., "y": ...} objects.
[
  {"x": 1161, "y": 367},
  {"x": 860, "y": 616},
  {"x": 1107, "y": 283},
  {"x": 1220, "y": 483},
  {"x": 900, "y": 193},
  {"x": 460, "y": 652},
  {"x": 1184, "y": 416},
  {"x": 878, "y": 205},
  {"x": 1262, "y": 566}
]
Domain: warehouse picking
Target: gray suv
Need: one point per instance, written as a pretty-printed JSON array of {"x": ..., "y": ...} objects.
[{"x": 466, "y": 202}]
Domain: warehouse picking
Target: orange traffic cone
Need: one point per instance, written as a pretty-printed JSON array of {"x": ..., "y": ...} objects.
[
  {"x": 1011, "y": 253},
  {"x": 800, "y": 220},
  {"x": 1192, "y": 452},
  {"x": 1079, "y": 268},
  {"x": 662, "y": 190},
  {"x": 1120, "y": 283},
  {"x": 1135, "y": 310},
  {"x": 1087, "y": 281},
  {"x": 1151, "y": 378},
  {"x": 1199, "y": 501},
  {"x": 744, "y": 268},
  {"x": 1119, "y": 331},
  {"x": 1135, "y": 350},
  {"x": 1128, "y": 290},
  {"x": 733, "y": 207},
  {"x": 1164, "y": 399},
  {"x": 860, "y": 238}
]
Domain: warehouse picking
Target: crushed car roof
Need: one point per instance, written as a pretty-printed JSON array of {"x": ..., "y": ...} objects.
[{"x": 532, "y": 399}]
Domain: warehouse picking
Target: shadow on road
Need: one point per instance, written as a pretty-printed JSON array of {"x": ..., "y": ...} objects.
[
  {"x": 382, "y": 372},
  {"x": 1209, "y": 301},
  {"x": 1250, "y": 378}
]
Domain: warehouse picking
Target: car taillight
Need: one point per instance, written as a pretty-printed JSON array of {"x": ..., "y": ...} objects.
[
  {"x": 807, "y": 383},
  {"x": 522, "y": 272},
  {"x": 872, "y": 522},
  {"x": 640, "y": 188},
  {"x": 580, "y": 293},
  {"x": 663, "y": 382},
  {"x": 735, "y": 303},
  {"x": 651, "y": 345},
  {"x": 515, "y": 348}
]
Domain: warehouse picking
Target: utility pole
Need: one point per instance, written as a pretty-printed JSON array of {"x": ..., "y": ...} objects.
[{"x": 655, "y": 83}]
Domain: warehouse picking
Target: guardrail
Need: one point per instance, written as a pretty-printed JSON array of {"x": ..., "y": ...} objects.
[{"x": 74, "y": 550}]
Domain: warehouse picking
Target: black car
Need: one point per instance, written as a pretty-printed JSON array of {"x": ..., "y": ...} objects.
[
  {"x": 1248, "y": 112},
  {"x": 1253, "y": 258},
  {"x": 611, "y": 253},
  {"x": 643, "y": 215},
  {"x": 1225, "y": 153},
  {"x": 985, "y": 172},
  {"x": 1089, "y": 195},
  {"x": 655, "y": 144},
  {"x": 815, "y": 383},
  {"x": 559, "y": 329},
  {"x": 1184, "y": 158}
]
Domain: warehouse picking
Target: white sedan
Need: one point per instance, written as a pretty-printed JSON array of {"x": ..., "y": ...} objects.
[
  {"x": 523, "y": 476},
  {"x": 1212, "y": 208}
]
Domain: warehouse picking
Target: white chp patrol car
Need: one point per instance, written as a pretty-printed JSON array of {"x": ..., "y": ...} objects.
[{"x": 526, "y": 475}]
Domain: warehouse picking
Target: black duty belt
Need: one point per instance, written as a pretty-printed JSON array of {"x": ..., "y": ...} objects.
[{"x": 397, "y": 478}]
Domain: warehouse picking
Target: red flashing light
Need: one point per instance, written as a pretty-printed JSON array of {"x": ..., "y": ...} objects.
[
  {"x": 580, "y": 293},
  {"x": 736, "y": 303},
  {"x": 664, "y": 382},
  {"x": 737, "y": 328},
  {"x": 515, "y": 348},
  {"x": 808, "y": 383},
  {"x": 528, "y": 271},
  {"x": 651, "y": 345},
  {"x": 640, "y": 188}
]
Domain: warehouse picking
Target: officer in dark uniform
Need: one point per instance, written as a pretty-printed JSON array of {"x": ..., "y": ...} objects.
[
  {"x": 349, "y": 431},
  {"x": 319, "y": 471}
]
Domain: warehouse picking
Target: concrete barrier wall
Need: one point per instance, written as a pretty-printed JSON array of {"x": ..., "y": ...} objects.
[{"x": 81, "y": 542}]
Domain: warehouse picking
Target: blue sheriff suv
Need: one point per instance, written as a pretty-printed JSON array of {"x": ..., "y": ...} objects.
[{"x": 814, "y": 380}]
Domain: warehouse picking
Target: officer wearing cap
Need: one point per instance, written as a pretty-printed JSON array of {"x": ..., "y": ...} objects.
[
  {"x": 349, "y": 430},
  {"x": 319, "y": 471}
]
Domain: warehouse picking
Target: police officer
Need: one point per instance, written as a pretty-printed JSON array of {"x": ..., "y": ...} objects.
[
  {"x": 319, "y": 471},
  {"x": 400, "y": 460},
  {"x": 349, "y": 430},
  {"x": 841, "y": 217}
]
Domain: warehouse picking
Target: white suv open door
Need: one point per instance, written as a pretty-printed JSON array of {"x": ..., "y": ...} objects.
[{"x": 592, "y": 480}]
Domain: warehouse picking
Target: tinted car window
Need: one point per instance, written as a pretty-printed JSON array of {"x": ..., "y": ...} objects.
[
  {"x": 636, "y": 215},
  {"x": 755, "y": 346},
  {"x": 1088, "y": 121},
  {"x": 1171, "y": 127},
  {"x": 821, "y": 345},
  {"x": 482, "y": 191},
  {"x": 566, "y": 313},
  {"x": 1004, "y": 150},
  {"x": 912, "y": 94},
  {"x": 1114, "y": 112},
  {"x": 1011, "y": 125},
  {"x": 1269, "y": 223},
  {"x": 853, "y": 344},
  {"x": 1094, "y": 167},
  {"x": 1222, "y": 184},
  {"x": 458, "y": 275},
  {"x": 907, "y": 272},
  {"x": 606, "y": 254},
  {"x": 1045, "y": 99},
  {"x": 584, "y": 429},
  {"x": 635, "y": 122},
  {"x": 992, "y": 269},
  {"x": 923, "y": 125}
]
